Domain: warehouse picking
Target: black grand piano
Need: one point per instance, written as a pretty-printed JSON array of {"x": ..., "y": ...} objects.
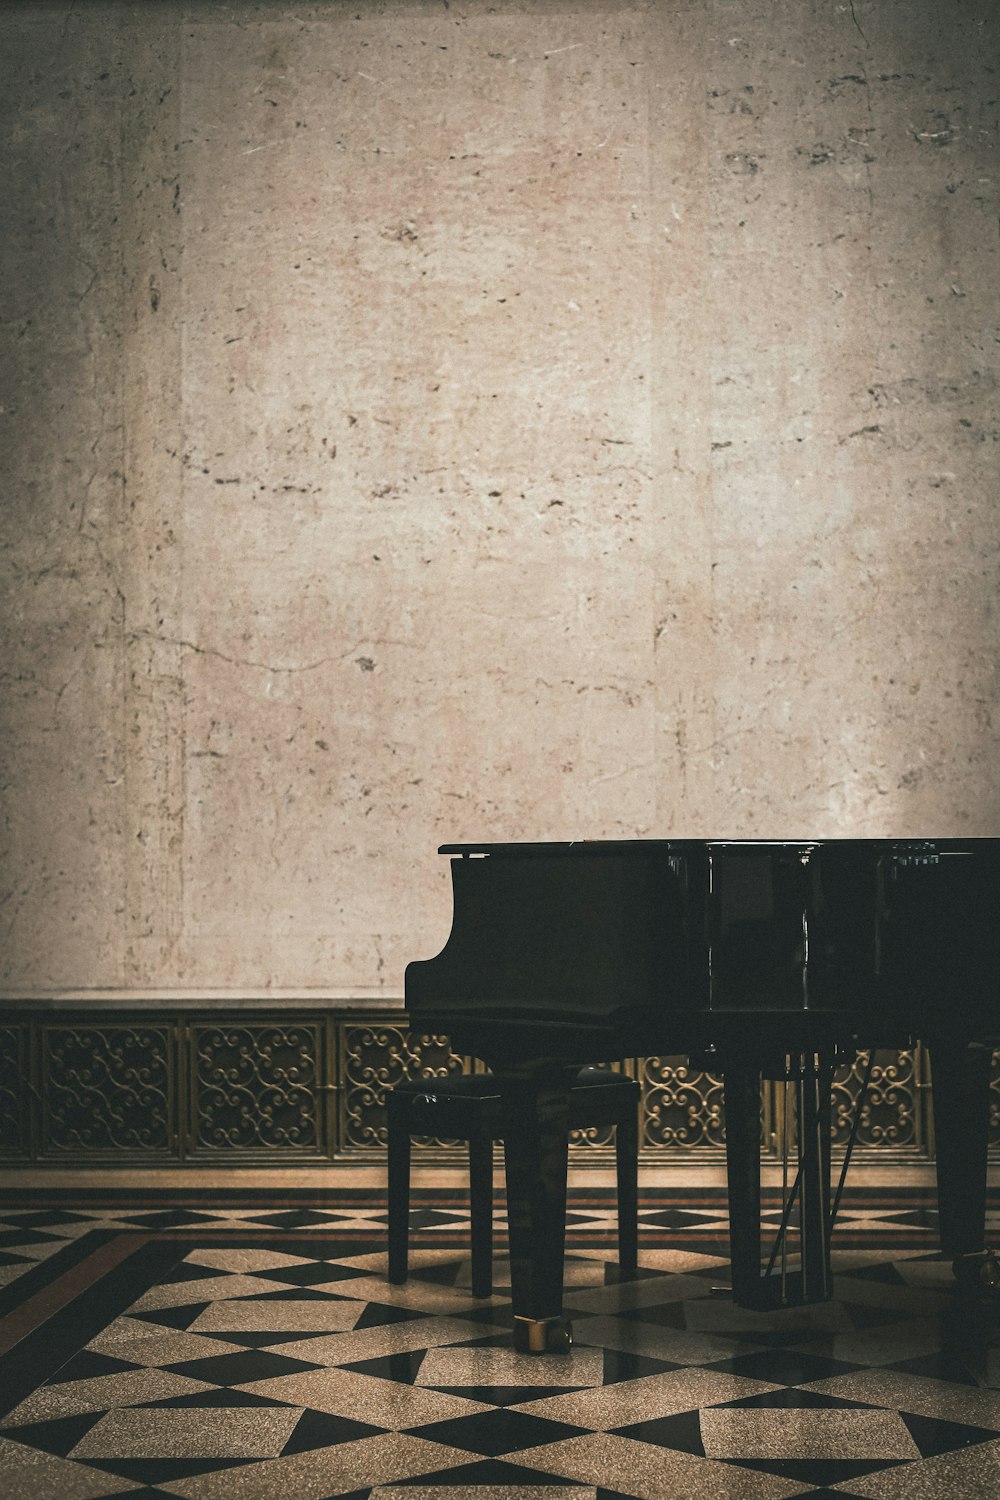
[{"x": 758, "y": 959}]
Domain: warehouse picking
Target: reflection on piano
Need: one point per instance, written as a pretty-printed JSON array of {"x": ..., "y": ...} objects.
[{"x": 760, "y": 959}]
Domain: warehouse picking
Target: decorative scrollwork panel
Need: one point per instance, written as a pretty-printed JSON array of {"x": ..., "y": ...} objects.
[
  {"x": 376, "y": 1057},
  {"x": 891, "y": 1113},
  {"x": 13, "y": 1090},
  {"x": 254, "y": 1088},
  {"x": 107, "y": 1089},
  {"x": 682, "y": 1107},
  {"x": 98, "y": 1087}
]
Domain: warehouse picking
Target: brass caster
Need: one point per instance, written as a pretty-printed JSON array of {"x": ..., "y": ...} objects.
[
  {"x": 543, "y": 1335},
  {"x": 977, "y": 1271}
]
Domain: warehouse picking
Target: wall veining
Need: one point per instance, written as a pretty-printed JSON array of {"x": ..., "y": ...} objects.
[{"x": 435, "y": 422}]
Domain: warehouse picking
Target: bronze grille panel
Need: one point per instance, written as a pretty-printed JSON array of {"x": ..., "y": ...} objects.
[
  {"x": 682, "y": 1106},
  {"x": 894, "y": 1114},
  {"x": 107, "y": 1090},
  {"x": 376, "y": 1058},
  {"x": 269, "y": 1087},
  {"x": 15, "y": 1091},
  {"x": 254, "y": 1088}
]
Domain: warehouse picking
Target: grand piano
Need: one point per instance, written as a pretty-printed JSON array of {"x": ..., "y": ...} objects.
[{"x": 757, "y": 959}]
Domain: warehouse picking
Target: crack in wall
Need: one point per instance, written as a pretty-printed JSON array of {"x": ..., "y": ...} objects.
[{"x": 278, "y": 669}]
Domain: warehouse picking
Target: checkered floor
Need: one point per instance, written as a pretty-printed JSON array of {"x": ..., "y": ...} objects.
[{"x": 258, "y": 1351}]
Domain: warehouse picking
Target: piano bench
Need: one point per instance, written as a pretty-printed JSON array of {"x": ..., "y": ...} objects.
[{"x": 467, "y": 1107}]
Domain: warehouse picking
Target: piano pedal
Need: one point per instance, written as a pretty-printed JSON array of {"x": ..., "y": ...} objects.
[
  {"x": 542, "y": 1335},
  {"x": 978, "y": 1271},
  {"x": 769, "y": 1293}
]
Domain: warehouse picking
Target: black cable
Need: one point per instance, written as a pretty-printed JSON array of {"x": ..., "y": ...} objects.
[{"x": 855, "y": 1123}]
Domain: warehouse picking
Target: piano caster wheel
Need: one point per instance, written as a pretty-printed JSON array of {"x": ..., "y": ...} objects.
[
  {"x": 559, "y": 1339},
  {"x": 978, "y": 1271},
  {"x": 543, "y": 1335}
]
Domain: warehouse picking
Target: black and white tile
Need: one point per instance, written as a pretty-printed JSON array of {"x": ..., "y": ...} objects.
[{"x": 258, "y": 1351}]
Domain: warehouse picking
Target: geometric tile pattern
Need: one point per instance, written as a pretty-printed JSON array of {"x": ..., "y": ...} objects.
[{"x": 255, "y": 1349}]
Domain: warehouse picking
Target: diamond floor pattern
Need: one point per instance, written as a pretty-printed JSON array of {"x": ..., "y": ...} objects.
[{"x": 258, "y": 1351}]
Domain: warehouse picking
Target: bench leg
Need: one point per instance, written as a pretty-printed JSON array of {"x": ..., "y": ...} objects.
[
  {"x": 398, "y": 1194},
  {"x": 627, "y": 1164},
  {"x": 481, "y": 1211}
]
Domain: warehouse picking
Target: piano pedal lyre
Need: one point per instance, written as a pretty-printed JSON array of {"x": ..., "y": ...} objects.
[{"x": 542, "y": 1335}]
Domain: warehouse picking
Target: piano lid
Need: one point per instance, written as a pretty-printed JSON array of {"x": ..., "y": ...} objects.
[
  {"x": 628, "y": 930},
  {"x": 901, "y": 848}
]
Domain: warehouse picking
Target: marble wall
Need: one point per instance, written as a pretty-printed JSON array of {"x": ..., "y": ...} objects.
[{"x": 431, "y": 421}]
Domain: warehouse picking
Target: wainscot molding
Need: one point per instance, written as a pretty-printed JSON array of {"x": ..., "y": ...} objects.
[{"x": 122, "y": 1079}]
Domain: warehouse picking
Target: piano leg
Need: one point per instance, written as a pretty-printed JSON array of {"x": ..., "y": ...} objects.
[
  {"x": 626, "y": 1157},
  {"x": 742, "y": 1095},
  {"x": 960, "y": 1079},
  {"x": 536, "y": 1139},
  {"x": 812, "y": 1280}
]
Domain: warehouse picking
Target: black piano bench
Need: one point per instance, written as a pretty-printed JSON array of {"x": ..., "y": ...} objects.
[{"x": 467, "y": 1107}]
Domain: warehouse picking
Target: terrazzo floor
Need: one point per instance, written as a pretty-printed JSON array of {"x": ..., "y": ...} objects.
[{"x": 251, "y": 1347}]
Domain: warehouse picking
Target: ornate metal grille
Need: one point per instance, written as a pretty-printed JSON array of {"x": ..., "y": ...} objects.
[
  {"x": 107, "y": 1089},
  {"x": 892, "y": 1115},
  {"x": 255, "y": 1088},
  {"x": 13, "y": 1090},
  {"x": 94, "y": 1088},
  {"x": 377, "y": 1057},
  {"x": 682, "y": 1107}
]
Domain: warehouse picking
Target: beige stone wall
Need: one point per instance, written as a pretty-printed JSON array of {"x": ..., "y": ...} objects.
[{"x": 431, "y": 422}]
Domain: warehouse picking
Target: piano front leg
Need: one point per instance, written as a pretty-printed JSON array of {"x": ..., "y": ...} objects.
[
  {"x": 536, "y": 1139},
  {"x": 960, "y": 1080},
  {"x": 742, "y": 1096}
]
